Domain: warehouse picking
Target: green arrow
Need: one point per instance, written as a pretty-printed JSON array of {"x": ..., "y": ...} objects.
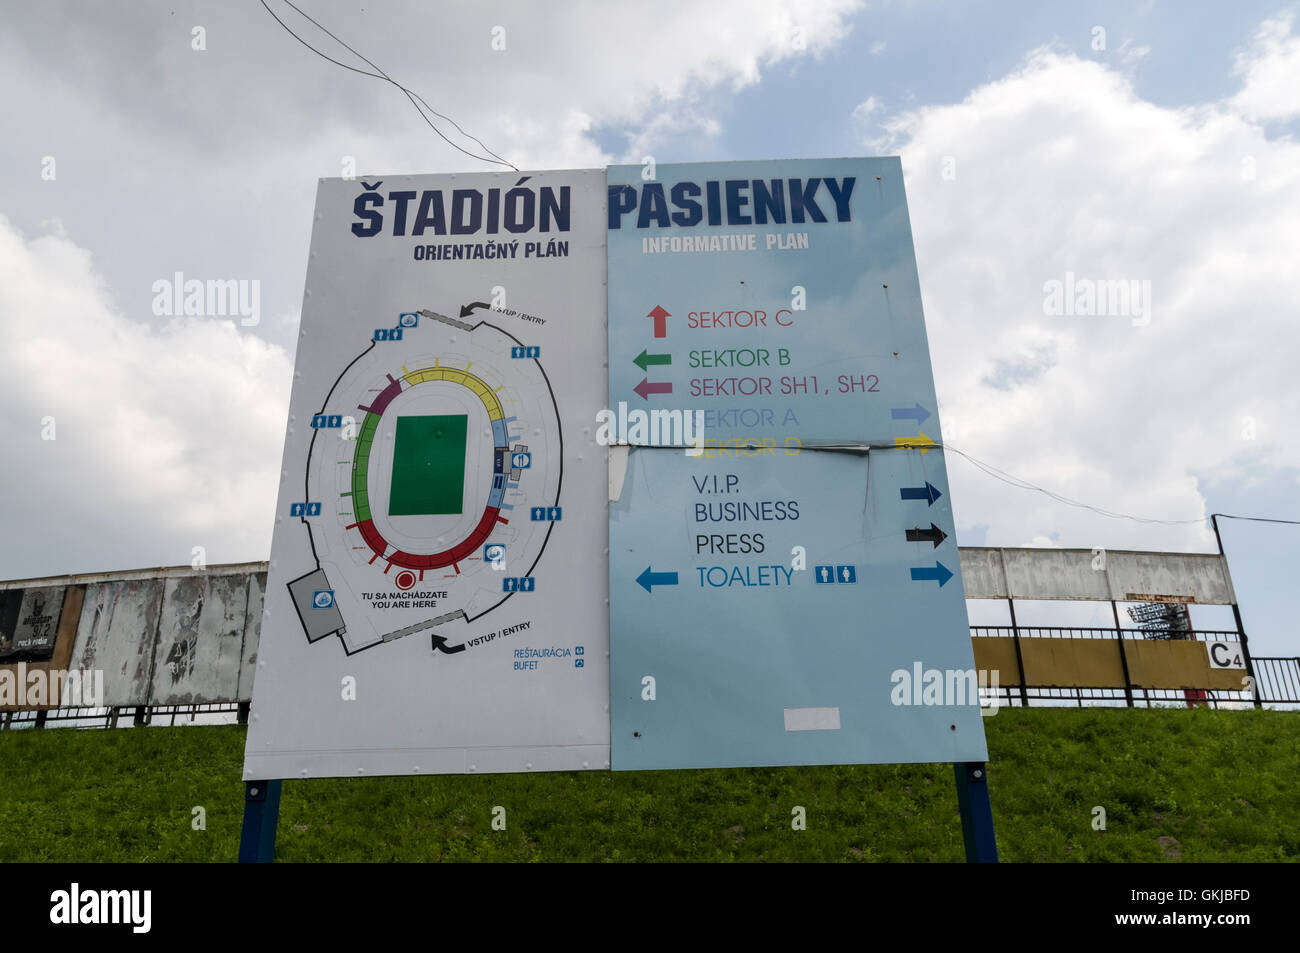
[{"x": 644, "y": 360}]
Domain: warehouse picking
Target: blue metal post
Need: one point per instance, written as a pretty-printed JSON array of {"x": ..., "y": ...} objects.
[
  {"x": 261, "y": 816},
  {"x": 976, "y": 812}
]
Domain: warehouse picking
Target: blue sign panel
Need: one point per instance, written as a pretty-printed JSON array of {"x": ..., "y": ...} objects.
[
  {"x": 785, "y": 588},
  {"x": 781, "y": 298}
]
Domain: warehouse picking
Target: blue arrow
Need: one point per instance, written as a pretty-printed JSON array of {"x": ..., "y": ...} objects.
[
  {"x": 939, "y": 572},
  {"x": 926, "y": 492},
  {"x": 648, "y": 579},
  {"x": 917, "y": 413}
]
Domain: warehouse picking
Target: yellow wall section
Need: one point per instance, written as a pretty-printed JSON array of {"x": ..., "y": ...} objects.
[{"x": 1095, "y": 663}]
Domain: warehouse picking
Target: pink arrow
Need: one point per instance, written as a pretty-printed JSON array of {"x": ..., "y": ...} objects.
[
  {"x": 645, "y": 388},
  {"x": 661, "y": 325}
]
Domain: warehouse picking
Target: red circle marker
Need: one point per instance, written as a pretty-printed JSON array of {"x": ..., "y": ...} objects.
[{"x": 405, "y": 579}]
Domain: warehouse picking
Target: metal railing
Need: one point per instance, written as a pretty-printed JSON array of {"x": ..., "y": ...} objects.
[
  {"x": 137, "y": 716},
  {"x": 1093, "y": 632},
  {"x": 1012, "y": 696},
  {"x": 1277, "y": 679},
  {"x": 1277, "y": 682}
]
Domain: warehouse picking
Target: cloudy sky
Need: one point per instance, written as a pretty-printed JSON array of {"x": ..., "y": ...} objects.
[{"x": 1150, "y": 142}]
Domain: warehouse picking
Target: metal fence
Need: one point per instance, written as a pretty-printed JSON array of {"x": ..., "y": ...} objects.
[
  {"x": 1277, "y": 683},
  {"x": 219, "y": 713},
  {"x": 179, "y": 645},
  {"x": 1091, "y": 632},
  {"x": 1277, "y": 679}
]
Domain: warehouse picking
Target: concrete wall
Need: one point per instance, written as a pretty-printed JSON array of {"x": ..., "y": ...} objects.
[{"x": 1084, "y": 574}]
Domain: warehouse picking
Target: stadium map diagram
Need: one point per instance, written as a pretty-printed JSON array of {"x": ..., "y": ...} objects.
[{"x": 432, "y": 483}]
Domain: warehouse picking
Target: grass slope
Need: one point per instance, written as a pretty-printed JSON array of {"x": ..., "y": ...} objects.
[{"x": 1175, "y": 784}]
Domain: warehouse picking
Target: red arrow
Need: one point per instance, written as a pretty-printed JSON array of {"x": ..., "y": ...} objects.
[
  {"x": 645, "y": 388},
  {"x": 661, "y": 326}
]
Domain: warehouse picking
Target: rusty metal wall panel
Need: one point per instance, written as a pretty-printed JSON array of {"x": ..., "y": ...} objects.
[
  {"x": 1069, "y": 575},
  {"x": 982, "y": 574},
  {"x": 1169, "y": 577},
  {"x": 133, "y": 575},
  {"x": 252, "y": 636},
  {"x": 117, "y": 631},
  {"x": 74, "y": 598},
  {"x": 1066, "y": 574},
  {"x": 200, "y": 640}
]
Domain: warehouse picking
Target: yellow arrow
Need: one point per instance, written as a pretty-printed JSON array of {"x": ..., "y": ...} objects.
[{"x": 920, "y": 441}]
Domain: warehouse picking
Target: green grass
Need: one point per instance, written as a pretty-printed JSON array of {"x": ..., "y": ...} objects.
[{"x": 1197, "y": 785}]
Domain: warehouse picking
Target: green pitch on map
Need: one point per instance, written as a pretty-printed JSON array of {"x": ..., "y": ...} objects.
[{"x": 428, "y": 465}]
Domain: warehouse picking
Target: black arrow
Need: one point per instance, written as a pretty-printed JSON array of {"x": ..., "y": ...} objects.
[
  {"x": 440, "y": 645},
  {"x": 467, "y": 309},
  {"x": 934, "y": 534}
]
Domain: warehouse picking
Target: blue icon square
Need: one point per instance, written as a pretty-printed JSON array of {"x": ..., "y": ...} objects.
[
  {"x": 322, "y": 599},
  {"x": 313, "y": 509},
  {"x": 578, "y": 650},
  {"x": 517, "y": 351},
  {"x": 408, "y": 319},
  {"x": 553, "y": 513},
  {"x": 824, "y": 574},
  {"x": 509, "y": 584},
  {"x": 494, "y": 552},
  {"x": 526, "y": 584},
  {"x": 521, "y": 461},
  {"x": 297, "y": 509},
  {"x": 538, "y": 514},
  {"x": 846, "y": 574},
  {"x": 577, "y": 663},
  {"x": 533, "y": 352}
]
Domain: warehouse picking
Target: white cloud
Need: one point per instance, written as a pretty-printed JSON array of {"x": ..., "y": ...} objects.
[
  {"x": 170, "y": 159},
  {"x": 1128, "y": 54},
  {"x": 164, "y": 438},
  {"x": 1270, "y": 70},
  {"x": 1062, "y": 167},
  {"x": 169, "y": 435},
  {"x": 867, "y": 108},
  {"x": 256, "y": 94}
]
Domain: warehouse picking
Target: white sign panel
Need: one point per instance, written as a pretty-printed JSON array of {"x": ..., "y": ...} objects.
[
  {"x": 437, "y": 593},
  {"x": 1225, "y": 655},
  {"x": 776, "y": 600}
]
